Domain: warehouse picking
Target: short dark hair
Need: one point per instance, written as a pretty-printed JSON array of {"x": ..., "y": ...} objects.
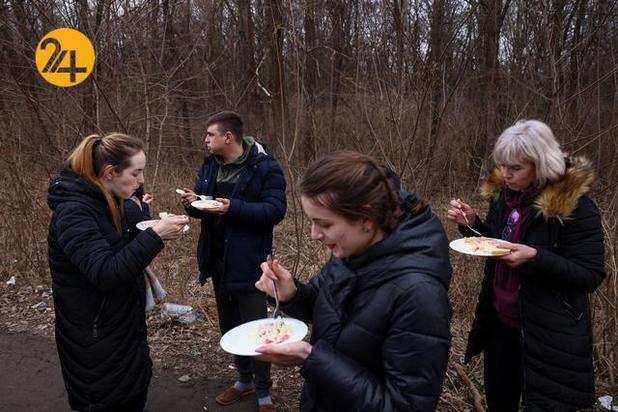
[
  {"x": 354, "y": 186},
  {"x": 228, "y": 121}
]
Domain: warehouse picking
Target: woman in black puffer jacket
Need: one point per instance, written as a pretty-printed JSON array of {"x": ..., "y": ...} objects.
[
  {"x": 533, "y": 317},
  {"x": 379, "y": 307},
  {"x": 97, "y": 275}
]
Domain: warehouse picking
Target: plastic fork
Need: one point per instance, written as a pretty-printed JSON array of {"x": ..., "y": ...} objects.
[{"x": 201, "y": 197}]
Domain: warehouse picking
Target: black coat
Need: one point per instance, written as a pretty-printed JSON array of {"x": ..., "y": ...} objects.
[
  {"x": 257, "y": 204},
  {"x": 381, "y": 321},
  {"x": 134, "y": 213},
  {"x": 565, "y": 228},
  {"x": 99, "y": 297}
]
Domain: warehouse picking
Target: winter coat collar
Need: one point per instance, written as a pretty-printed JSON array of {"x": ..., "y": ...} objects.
[
  {"x": 254, "y": 153},
  {"x": 559, "y": 198},
  {"x": 70, "y": 187}
]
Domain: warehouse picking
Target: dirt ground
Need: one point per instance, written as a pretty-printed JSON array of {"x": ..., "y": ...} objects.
[{"x": 31, "y": 381}]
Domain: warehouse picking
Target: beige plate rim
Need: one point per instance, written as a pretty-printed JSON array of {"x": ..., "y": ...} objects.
[
  {"x": 196, "y": 204},
  {"x": 458, "y": 245}
]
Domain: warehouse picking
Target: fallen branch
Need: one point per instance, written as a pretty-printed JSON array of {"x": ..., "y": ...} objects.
[{"x": 476, "y": 396}]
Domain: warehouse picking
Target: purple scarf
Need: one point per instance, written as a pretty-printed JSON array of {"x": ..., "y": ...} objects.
[{"x": 506, "y": 280}]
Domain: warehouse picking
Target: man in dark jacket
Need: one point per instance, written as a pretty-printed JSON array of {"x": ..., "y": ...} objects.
[{"x": 236, "y": 236}]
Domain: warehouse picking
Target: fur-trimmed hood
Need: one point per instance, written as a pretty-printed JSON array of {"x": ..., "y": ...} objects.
[{"x": 559, "y": 198}]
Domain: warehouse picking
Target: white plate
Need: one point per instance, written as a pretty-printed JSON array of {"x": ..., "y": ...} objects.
[
  {"x": 145, "y": 224},
  {"x": 242, "y": 340},
  {"x": 206, "y": 204},
  {"x": 458, "y": 245}
]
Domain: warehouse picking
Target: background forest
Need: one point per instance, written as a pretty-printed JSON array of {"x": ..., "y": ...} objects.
[{"x": 424, "y": 86}]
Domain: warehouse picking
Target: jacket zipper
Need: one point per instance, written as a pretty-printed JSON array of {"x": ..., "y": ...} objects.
[
  {"x": 95, "y": 333},
  {"x": 523, "y": 232},
  {"x": 522, "y": 351}
]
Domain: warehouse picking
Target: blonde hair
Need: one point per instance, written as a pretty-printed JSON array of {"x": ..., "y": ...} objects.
[
  {"x": 533, "y": 141},
  {"x": 95, "y": 152}
]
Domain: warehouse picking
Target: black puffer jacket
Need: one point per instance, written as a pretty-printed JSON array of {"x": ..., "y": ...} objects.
[
  {"x": 381, "y": 321},
  {"x": 565, "y": 229},
  {"x": 98, "y": 287}
]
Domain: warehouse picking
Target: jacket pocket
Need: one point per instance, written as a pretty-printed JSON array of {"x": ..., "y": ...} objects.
[
  {"x": 572, "y": 305},
  {"x": 95, "y": 323}
]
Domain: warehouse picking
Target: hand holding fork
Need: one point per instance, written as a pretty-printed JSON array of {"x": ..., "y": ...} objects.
[
  {"x": 277, "y": 282},
  {"x": 459, "y": 212},
  {"x": 269, "y": 262}
]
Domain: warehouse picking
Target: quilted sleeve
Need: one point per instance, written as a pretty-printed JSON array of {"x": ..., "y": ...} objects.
[{"x": 81, "y": 240}]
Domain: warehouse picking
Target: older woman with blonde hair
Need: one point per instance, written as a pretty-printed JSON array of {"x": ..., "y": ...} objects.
[{"x": 533, "y": 316}]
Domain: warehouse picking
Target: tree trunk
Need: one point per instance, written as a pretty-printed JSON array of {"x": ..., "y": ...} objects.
[
  {"x": 274, "y": 29},
  {"x": 573, "y": 77},
  {"x": 400, "y": 10},
  {"x": 338, "y": 40},
  {"x": 310, "y": 82},
  {"x": 434, "y": 74},
  {"x": 246, "y": 38},
  {"x": 490, "y": 19}
]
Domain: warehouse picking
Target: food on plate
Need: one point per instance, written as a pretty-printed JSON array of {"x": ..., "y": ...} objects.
[
  {"x": 206, "y": 204},
  {"x": 274, "y": 332},
  {"x": 485, "y": 245}
]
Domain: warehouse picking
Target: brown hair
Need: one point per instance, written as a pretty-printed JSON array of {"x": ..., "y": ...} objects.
[
  {"x": 228, "y": 122},
  {"x": 94, "y": 152},
  {"x": 353, "y": 185}
]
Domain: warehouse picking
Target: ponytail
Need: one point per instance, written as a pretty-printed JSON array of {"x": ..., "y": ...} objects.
[{"x": 93, "y": 153}]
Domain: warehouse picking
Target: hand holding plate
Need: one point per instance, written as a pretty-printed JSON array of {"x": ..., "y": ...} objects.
[
  {"x": 222, "y": 208},
  {"x": 171, "y": 227},
  {"x": 519, "y": 255},
  {"x": 286, "y": 354}
]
